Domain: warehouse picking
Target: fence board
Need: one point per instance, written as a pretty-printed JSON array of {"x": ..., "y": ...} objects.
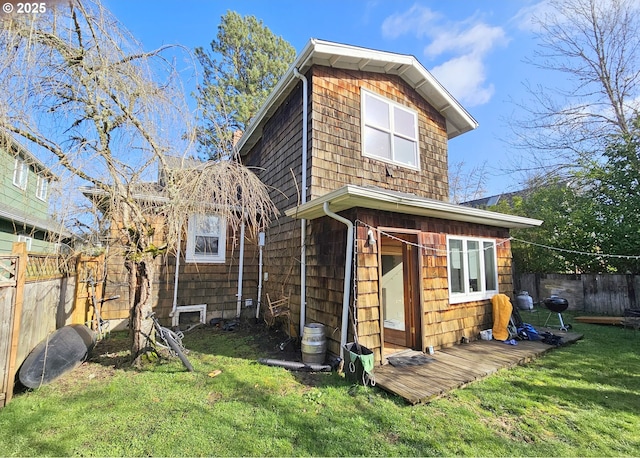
[
  {"x": 6, "y": 321},
  {"x": 596, "y": 294},
  {"x": 31, "y": 306},
  {"x": 20, "y": 251}
]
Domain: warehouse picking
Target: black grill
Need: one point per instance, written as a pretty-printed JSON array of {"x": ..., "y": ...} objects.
[{"x": 556, "y": 304}]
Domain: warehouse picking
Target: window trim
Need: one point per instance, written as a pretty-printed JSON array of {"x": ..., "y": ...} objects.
[
  {"x": 470, "y": 296},
  {"x": 20, "y": 173},
  {"x": 364, "y": 93},
  {"x": 191, "y": 256},
  {"x": 42, "y": 188},
  {"x": 26, "y": 239}
]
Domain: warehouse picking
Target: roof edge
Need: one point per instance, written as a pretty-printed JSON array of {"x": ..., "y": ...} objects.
[
  {"x": 405, "y": 66},
  {"x": 351, "y": 196}
]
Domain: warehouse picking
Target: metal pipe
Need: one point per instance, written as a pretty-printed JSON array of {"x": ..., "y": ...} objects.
[
  {"x": 294, "y": 365},
  {"x": 240, "y": 271},
  {"x": 303, "y": 199},
  {"x": 347, "y": 275},
  {"x": 176, "y": 277},
  {"x": 261, "y": 237}
]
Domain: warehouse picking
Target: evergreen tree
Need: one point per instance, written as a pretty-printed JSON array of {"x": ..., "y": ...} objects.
[{"x": 244, "y": 63}]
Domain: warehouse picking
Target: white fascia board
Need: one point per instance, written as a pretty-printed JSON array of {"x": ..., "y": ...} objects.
[
  {"x": 330, "y": 54},
  {"x": 95, "y": 192},
  {"x": 409, "y": 69},
  {"x": 51, "y": 226},
  {"x": 352, "y": 196}
]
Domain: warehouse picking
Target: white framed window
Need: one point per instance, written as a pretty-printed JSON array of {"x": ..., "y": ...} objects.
[
  {"x": 26, "y": 239},
  {"x": 20, "y": 173},
  {"x": 42, "y": 188},
  {"x": 472, "y": 266},
  {"x": 206, "y": 239},
  {"x": 389, "y": 131}
]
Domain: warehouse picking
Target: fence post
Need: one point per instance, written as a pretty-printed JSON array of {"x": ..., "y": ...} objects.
[
  {"x": 87, "y": 266},
  {"x": 19, "y": 249}
]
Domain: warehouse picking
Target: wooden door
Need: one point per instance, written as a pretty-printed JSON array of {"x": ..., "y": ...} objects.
[{"x": 399, "y": 292}]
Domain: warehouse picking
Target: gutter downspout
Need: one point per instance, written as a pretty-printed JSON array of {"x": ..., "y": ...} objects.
[
  {"x": 347, "y": 275},
  {"x": 303, "y": 199},
  {"x": 176, "y": 277},
  {"x": 261, "y": 237},
  {"x": 240, "y": 272}
]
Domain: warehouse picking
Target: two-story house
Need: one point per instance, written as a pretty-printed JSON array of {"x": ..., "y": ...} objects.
[
  {"x": 353, "y": 142},
  {"x": 24, "y": 201}
]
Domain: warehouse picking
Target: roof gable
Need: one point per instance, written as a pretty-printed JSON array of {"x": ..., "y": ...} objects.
[
  {"x": 15, "y": 149},
  {"x": 336, "y": 55}
]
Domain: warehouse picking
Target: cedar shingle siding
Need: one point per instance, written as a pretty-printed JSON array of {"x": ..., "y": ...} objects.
[
  {"x": 213, "y": 284},
  {"x": 337, "y": 148},
  {"x": 334, "y": 160},
  {"x": 277, "y": 160},
  {"x": 443, "y": 324}
]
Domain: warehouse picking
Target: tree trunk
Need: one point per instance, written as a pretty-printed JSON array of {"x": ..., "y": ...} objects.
[{"x": 140, "y": 288}]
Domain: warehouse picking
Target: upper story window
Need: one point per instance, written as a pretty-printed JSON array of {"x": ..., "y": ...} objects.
[
  {"x": 389, "y": 131},
  {"x": 206, "y": 239},
  {"x": 473, "y": 273},
  {"x": 42, "y": 188},
  {"x": 20, "y": 173}
]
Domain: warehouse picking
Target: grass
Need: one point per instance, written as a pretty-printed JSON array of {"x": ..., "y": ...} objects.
[{"x": 579, "y": 400}]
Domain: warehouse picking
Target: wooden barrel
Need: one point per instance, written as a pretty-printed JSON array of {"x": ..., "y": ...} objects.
[{"x": 314, "y": 344}]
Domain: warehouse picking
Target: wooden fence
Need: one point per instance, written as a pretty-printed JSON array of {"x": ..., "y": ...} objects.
[
  {"x": 38, "y": 294},
  {"x": 596, "y": 294},
  {"x": 10, "y": 304}
]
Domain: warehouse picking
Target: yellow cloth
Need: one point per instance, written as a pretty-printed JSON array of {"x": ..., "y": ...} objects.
[{"x": 502, "y": 309}]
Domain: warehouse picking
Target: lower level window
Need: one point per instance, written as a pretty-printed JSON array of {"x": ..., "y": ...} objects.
[
  {"x": 26, "y": 239},
  {"x": 206, "y": 237},
  {"x": 473, "y": 273}
]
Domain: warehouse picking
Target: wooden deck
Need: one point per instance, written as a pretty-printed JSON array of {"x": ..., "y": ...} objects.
[{"x": 457, "y": 366}]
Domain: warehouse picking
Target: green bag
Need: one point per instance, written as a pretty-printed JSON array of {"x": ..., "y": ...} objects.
[{"x": 359, "y": 364}]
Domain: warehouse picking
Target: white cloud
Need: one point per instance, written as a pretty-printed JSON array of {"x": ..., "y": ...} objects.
[
  {"x": 528, "y": 17},
  {"x": 462, "y": 46},
  {"x": 417, "y": 21},
  {"x": 465, "y": 77},
  {"x": 479, "y": 39}
]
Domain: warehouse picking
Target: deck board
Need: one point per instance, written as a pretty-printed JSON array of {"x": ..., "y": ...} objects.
[{"x": 457, "y": 366}]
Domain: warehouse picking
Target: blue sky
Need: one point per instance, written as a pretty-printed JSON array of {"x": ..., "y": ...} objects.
[{"x": 475, "y": 48}]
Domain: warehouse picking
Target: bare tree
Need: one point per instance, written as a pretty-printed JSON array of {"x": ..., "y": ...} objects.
[
  {"x": 595, "y": 46},
  {"x": 466, "y": 185},
  {"x": 76, "y": 87}
]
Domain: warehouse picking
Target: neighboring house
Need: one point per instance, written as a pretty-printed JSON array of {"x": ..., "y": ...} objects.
[
  {"x": 357, "y": 137},
  {"x": 491, "y": 201},
  {"x": 24, "y": 201}
]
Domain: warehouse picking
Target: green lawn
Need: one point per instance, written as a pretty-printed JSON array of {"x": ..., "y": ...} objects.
[{"x": 579, "y": 400}]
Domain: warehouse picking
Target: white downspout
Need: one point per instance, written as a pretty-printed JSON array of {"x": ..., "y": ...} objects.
[
  {"x": 303, "y": 199},
  {"x": 347, "y": 275},
  {"x": 240, "y": 271},
  {"x": 261, "y": 237},
  {"x": 175, "y": 278}
]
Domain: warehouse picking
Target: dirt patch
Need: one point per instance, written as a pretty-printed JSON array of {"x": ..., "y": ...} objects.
[
  {"x": 269, "y": 344},
  {"x": 112, "y": 353}
]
